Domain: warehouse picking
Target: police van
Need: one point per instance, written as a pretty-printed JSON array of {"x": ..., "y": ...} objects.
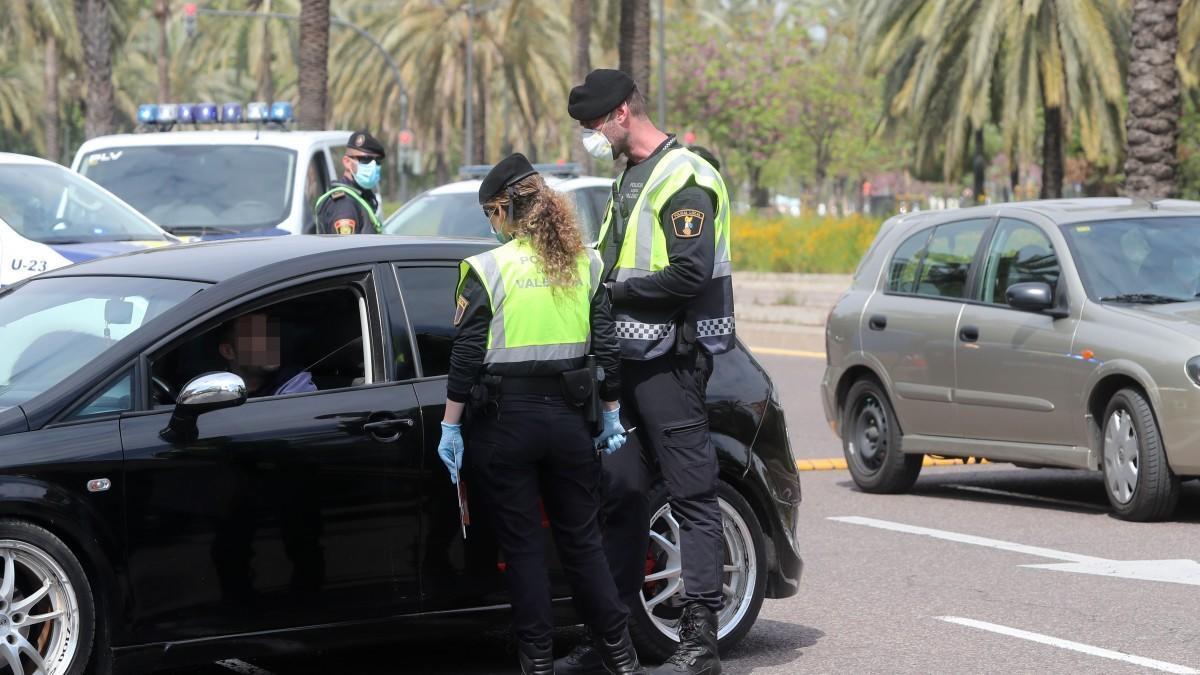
[{"x": 217, "y": 182}]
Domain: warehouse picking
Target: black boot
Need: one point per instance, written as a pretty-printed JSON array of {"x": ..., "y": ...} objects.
[
  {"x": 584, "y": 659},
  {"x": 619, "y": 656},
  {"x": 535, "y": 659},
  {"x": 697, "y": 652}
]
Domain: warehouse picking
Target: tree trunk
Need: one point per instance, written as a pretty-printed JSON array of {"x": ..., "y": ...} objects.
[
  {"x": 979, "y": 164},
  {"x": 50, "y": 100},
  {"x": 634, "y": 44},
  {"x": 314, "y": 63},
  {"x": 1014, "y": 176},
  {"x": 1052, "y": 154},
  {"x": 581, "y": 27},
  {"x": 161, "y": 12},
  {"x": 479, "y": 128},
  {"x": 760, "y": 198},
  {"x": 265, "y": 91},
  {"x": 1152, "y": 127},
  {"x": 96, "y": 37}
]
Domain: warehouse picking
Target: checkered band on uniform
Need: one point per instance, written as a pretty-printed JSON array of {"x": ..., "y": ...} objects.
[
  {"x": 711, "y": 327},
  {"x": 635, "y": 330}
]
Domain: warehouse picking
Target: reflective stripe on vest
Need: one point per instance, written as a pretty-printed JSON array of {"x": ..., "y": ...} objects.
[
  {"x": 644, "y": 252},
  {"x": 357, "y": 197},
  {"x": 531, "y": 321}
]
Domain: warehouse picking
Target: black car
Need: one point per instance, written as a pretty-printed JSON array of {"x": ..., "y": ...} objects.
[{"x": 153, "y": 514}]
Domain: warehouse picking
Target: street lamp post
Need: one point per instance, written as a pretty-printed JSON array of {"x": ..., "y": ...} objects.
[
  {"x": 403, "y": 112},
  {"x": 662, "y": 65}
]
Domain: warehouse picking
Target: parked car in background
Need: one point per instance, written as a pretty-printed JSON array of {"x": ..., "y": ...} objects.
[
  {"x": 1057, "y": 333},
  {"x": 161, "y": 505},
  {"x": 452, "y": 210},
  {"x": 51, "y": 217}
]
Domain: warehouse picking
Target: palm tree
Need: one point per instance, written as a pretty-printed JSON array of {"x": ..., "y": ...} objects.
[
  {"x": 951, "y": 66},
  {"x": 581, "y": 63},
  {"x": 1188, "y": 57},
  {"x": 634, "y": 41},
  {"x": 95, "y": 33},
  {"x": 1154, "y": 100},
  {"x": 51, "y": 23},
  {"x": 313, "y": 64}
]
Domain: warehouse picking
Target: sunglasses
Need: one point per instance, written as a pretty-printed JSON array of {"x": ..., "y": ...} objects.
[{"x": 363, "y": 159}]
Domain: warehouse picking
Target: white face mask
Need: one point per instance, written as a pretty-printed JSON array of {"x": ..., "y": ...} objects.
[{"x": 597, "y": 144}]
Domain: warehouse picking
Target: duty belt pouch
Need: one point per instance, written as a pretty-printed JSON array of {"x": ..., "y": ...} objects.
[
  {"x": 578, "y": 387},
  {"x": 685, "y": 337},
  {"x": 485, "y": 396}
]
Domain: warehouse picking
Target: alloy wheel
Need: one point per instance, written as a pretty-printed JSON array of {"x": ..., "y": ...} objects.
[{"x": 39, "y": 613}]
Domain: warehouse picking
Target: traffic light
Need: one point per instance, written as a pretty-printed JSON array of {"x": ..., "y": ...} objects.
[{"x": 189, "y": 19}]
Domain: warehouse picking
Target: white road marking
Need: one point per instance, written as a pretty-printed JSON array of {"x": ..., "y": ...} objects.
[
  {"x": 240, "y": 666},
  {"x": 1178, "y": 571},
  {"x": 1073, "y": 646},
  {"x": 1022, "y": 495}
]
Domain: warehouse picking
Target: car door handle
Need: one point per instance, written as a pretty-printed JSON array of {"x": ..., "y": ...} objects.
[
  {"x": 968, "y": 333},
  {"x": 389, "y": 429},
  {"x": 877, "y": 322}
]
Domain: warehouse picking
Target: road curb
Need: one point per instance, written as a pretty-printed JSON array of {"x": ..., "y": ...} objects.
[{"x": 839, "y": 463}]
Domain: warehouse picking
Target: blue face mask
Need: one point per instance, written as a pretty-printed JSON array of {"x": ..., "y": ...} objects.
[{"x": 367, "y": 174}]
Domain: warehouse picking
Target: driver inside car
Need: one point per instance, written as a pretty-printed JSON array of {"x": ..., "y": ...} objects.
[{"x": 250, "y": 345}]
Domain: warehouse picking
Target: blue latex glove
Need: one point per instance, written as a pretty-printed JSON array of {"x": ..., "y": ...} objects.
[
  {"x": 612, "y": 437},
  {"x": 450, "y": 449}
]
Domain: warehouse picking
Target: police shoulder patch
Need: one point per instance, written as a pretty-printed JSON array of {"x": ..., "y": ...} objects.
[
  {"x": 344, "y": 226},
  {"x": 460, "y": 309},
  {"x": 337, "y": 194},
  {"x": 687, "y": 222}
]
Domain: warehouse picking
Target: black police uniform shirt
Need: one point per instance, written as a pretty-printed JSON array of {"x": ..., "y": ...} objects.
[
  {"x": 341, "y": 214},
  {"x": 473, "y": 316},
  {"x": 690, "y": 250}
]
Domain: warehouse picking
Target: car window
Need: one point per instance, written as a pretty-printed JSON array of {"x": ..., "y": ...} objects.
[
  {"x": 1158, "y": 256},
  {"x": 114, "y": 399},
  {"x": 947, "y": 262},
  {"x": 447, "y": 214},
  {"x": 51, "y": 328},
  {"x": 906, "y": 263},
  {"x": 53, "y": 205},
  {"x": 429, "y": 301},
  {"x": 316, "y": 183},
  {"x": 311, "y": 341},
  {"x": 1020, "y": 252}
]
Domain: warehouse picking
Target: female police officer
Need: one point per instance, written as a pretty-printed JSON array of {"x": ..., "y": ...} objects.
[{"x": 527, "y": 314}]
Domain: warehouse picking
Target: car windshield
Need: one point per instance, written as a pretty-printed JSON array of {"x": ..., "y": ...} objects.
[
  {"x": 1139, "y": 260},
  {"x": 53, "y": 205},
  {"x": 199, "y": 189},
  {"x": 458, "y": 214},
  {"x": 51, "y": 328}
]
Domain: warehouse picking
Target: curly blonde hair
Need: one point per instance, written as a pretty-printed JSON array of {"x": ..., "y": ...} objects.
[{"x": 548, "y": 219}]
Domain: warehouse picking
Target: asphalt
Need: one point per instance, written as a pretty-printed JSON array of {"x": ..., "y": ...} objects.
[{"x": 877, "y": 600}]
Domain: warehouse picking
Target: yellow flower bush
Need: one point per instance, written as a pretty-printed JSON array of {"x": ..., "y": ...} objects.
[{"x": 801, "y": 244}]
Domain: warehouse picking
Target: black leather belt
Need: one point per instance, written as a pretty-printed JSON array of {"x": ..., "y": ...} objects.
[{"x": 540, "y": 386}]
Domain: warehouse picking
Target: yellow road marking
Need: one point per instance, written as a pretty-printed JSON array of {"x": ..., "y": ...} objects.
[
  {"x": 839, "y": 463},
  {"x": 777, "y": 351}
]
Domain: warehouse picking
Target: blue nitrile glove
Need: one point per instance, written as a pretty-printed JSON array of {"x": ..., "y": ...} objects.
[
  {"x": 612, "y": 436},
  {"x": 450, "y": 449}
]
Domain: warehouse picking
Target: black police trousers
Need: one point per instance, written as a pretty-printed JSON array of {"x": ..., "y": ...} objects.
[
  {"x": 665, "y": 398},
  {"x": 537, "y": 446}
]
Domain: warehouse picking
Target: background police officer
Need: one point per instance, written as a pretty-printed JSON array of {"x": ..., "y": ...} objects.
[
  {"x": 349, "y": 207},
  {"x": 665, "y": 244},
  {"x": 527, "y": 313}
]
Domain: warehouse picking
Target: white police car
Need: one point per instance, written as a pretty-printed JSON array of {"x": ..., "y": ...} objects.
[
  {"x": 51, "y": 217},
  {"x": 217, "y": 183},
  {"x": 452, "y": 210}
]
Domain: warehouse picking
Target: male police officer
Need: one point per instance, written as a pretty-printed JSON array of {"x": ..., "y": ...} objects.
[
  {"x": 665, "y": 244},
  {"x": 349, "y": 206}
]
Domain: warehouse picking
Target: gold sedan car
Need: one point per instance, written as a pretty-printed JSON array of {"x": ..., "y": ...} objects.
[{"x": 1056, "y": 333}]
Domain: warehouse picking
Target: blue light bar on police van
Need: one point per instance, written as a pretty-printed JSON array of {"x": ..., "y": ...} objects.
[
  {"x": 258, "y": 111},
  {"x": 147, "y": 113},
  {"x": 231, "y": 113},
  {"x": 205, "y": 113},
  {"x": 168, "y": 113},
  {"x": 186, "y": 111},
  {"x": 281, "y": 111}
]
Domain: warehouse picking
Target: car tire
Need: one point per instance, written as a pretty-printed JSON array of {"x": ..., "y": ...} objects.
[
  {"x": 871, "y": 441},
  {"x": 656, "y": 637},
  {"x": 1137, "y": 478},
  {"x": 46, "y": 580}
]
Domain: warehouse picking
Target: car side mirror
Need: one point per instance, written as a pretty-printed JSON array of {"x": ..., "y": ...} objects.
[
  {"x": 203, "y": 393},
  {"x": 1031, "y": 296}
]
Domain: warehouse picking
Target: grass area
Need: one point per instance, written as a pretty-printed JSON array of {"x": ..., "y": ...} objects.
[{"x": 808, "y": 244}]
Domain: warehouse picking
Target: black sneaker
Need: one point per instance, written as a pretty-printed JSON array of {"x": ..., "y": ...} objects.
[
  {"x": 697, "y": 651},
  {"x": 585, "y": 659}
]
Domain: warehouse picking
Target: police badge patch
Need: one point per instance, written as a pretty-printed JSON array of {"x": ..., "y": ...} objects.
[
  {"x": 460, "y": 309},
  {"x": 344, "y": 226},
  {"x": 687, "y": 222}
]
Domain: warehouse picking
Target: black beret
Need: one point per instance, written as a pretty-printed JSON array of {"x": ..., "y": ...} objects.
[
  {"x": 509, "y": 170},
  {"x": 706, "y": 155},
  {"x": 364, "y": 142},
  {"x": 601, "y": 92}
]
